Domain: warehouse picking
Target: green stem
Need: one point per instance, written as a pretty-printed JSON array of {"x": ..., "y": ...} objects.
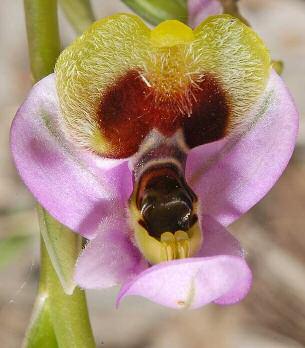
[
  {"x": 156, "y": 11},
  {"x": 79, "y": 13},
  {"x": 68, "y": 313},
  {"x": 43, "y": 36},
  {"x": 59, "y": 320}
]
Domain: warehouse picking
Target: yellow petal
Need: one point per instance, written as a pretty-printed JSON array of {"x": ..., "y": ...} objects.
[{"x": 237, "y": 57}]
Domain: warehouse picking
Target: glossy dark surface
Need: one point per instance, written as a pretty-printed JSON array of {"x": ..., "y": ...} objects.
[{"x": 165, "y": 202}]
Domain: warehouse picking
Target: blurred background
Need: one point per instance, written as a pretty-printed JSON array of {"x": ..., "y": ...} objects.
[{"x": 273, "y": 314}]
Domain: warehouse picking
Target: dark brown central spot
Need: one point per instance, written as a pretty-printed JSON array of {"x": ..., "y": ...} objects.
[
  {"x": 210, "y": 114},
  {"x": 130, "y": 108}
]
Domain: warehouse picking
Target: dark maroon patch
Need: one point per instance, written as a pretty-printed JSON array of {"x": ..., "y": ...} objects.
[
  {"x": 210, "y": 114},
  {"x": 123, "y": 115},
  {"x": 129, "y": 109}
]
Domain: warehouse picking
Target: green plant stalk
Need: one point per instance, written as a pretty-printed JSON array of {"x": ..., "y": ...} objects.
[
  {"x": 43, "y": 36},
  {"x": 58, "y": 320},
  {"x": 156, "y": 11},
  {"x": 68, "y": 313},
  {"x": 79, "y": 13},
  {"x": 40, "y": 332}
]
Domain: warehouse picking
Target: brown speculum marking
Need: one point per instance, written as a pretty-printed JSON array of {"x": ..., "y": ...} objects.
[
  {"x": 130, "y": 108},
  {"x": 165, "y": 201}
]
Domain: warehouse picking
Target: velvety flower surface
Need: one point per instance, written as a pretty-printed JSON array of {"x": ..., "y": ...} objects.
[{"x": 61, "y": 151}]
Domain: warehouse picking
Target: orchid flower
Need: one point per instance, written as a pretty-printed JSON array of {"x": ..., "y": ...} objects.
[{"x": 149, "y": 143}]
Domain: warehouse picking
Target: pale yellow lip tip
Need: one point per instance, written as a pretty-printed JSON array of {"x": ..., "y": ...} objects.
[
  {"x": 171, "y": 33},
  {"x": 174, "y": 246}
]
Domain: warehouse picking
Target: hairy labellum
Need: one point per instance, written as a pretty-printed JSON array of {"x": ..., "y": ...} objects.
[{"x": 120, "y": 81}]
